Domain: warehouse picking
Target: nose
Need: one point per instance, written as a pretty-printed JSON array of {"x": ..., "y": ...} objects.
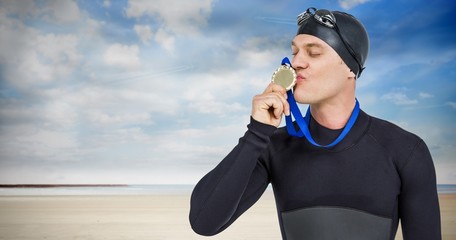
[{"x": 299, "y": 61}]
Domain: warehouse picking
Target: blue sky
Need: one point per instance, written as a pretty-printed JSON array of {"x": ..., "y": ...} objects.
[{"x": 158, "y": 92}]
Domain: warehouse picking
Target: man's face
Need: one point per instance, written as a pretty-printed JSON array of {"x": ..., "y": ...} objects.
[{"x": 322, "y": 74}]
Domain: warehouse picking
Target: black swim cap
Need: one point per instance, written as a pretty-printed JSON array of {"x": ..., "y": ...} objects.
[{"x": 351, "y": 31}]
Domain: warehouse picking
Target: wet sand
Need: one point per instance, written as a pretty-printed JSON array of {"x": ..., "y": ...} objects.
[{"x": 143, "y": 217}]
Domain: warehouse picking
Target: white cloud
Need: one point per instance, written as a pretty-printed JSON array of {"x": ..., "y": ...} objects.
[
  {"x": 425, "y": 95},
  {"x": 144, "y": 33},
  {"x": 134, "y": 99},
  {"x": 22, "y": 8},
  {"x": 348, "y": 4},
  {"x": 61, "y": 11},
  {"x": 57, "y": 55},
  {"x": 452, "y": 104},
  {"x": 185, "y": 20},
  {"x": 218, "y": 108},
  {"x": 14, "y": 38},
  {"x": 201, "y": 145},
  {"x": 165, "y": 39},
  {"x": 224, "y": 86},
  {"x": 58, "y": 48},
  {"x": 59, "y": 114},
  {"x": 368, "y": 99},
  {"x": 162, "y": 36},
  {"x": 123, "y": 56},
  {"x": 261, "y": 53},
  {"x": 32, "y": 58},
  {"x": 101, "y": 118},
  {"x": 111, "y": 138},
  {"x": 46, "y": 58},
  {"x": 16, "y": 113},
  {"x": 38, "y": 144},
  {"x": 258, "y": 58},
  {"x": 37, "y": 72},
  {"x": 55, "y": 11},
  {"x": 399, "y": 97},
  {"x": 106, "y": 3}
]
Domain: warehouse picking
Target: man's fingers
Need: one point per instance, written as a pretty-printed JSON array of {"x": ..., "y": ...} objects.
[
  {"x": 275, "y": 88},
  {"x": 269, "y": 106},
  {"x": 277, "y": 102},
  {"x": 285, "y": 108},
  {"x": 272, "y": 87}
]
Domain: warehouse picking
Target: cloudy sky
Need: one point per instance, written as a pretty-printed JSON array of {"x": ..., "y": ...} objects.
[{"x": 145, "y": 92}]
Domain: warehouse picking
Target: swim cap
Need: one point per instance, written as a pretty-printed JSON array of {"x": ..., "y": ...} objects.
[{"x": 351, "y": 31}]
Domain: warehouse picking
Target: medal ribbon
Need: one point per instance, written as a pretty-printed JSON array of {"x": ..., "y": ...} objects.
[{"x": 303, "y": 122}]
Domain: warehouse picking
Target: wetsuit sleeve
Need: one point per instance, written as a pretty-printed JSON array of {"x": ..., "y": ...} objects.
[
  {"x": 418, "y": 201},
  {"x": 234, "y": 185}
]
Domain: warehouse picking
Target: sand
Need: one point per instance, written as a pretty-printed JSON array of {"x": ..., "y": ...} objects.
[{"x": 142, "y": 217}]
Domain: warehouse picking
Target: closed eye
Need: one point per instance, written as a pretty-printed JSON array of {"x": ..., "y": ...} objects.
[{"x": 314, "y": 54}]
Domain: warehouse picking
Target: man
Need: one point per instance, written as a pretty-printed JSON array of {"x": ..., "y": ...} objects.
[{"x": 340, "y": 182}]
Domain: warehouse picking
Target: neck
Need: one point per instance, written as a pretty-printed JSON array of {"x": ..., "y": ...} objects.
[{"x": 333, "y": 115}]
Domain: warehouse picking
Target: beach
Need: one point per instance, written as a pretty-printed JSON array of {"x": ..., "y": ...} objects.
[{"x": 139, "y": 217}]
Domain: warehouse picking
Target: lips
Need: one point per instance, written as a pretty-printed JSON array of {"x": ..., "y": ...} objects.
[{"x": 300, "y": 78}]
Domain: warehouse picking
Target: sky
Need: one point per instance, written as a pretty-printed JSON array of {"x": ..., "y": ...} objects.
[{"x": 158, "y": 92}]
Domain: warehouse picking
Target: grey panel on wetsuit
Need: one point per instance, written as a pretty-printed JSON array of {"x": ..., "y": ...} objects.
[{"x": 330, "y": 223}]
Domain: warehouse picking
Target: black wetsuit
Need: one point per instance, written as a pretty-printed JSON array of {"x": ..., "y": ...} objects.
[{"x": 358, "y": 189}]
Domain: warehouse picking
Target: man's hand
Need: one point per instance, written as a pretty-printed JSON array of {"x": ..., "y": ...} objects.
[{"x": 269, "y": 106}]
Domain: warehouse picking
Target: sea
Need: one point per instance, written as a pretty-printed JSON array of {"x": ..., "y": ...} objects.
[{"x": 147, "y": 189}]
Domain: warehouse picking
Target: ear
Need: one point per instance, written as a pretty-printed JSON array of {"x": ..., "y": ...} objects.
[{"x": 351, "y": 74}]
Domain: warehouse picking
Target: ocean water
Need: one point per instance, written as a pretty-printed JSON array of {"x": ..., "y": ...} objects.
[
  {"x": 133, "y": 190},
  {"x": 446, "y": 188}
]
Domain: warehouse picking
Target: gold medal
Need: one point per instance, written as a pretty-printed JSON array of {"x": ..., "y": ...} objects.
[{"x": 284, "y": 76}]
